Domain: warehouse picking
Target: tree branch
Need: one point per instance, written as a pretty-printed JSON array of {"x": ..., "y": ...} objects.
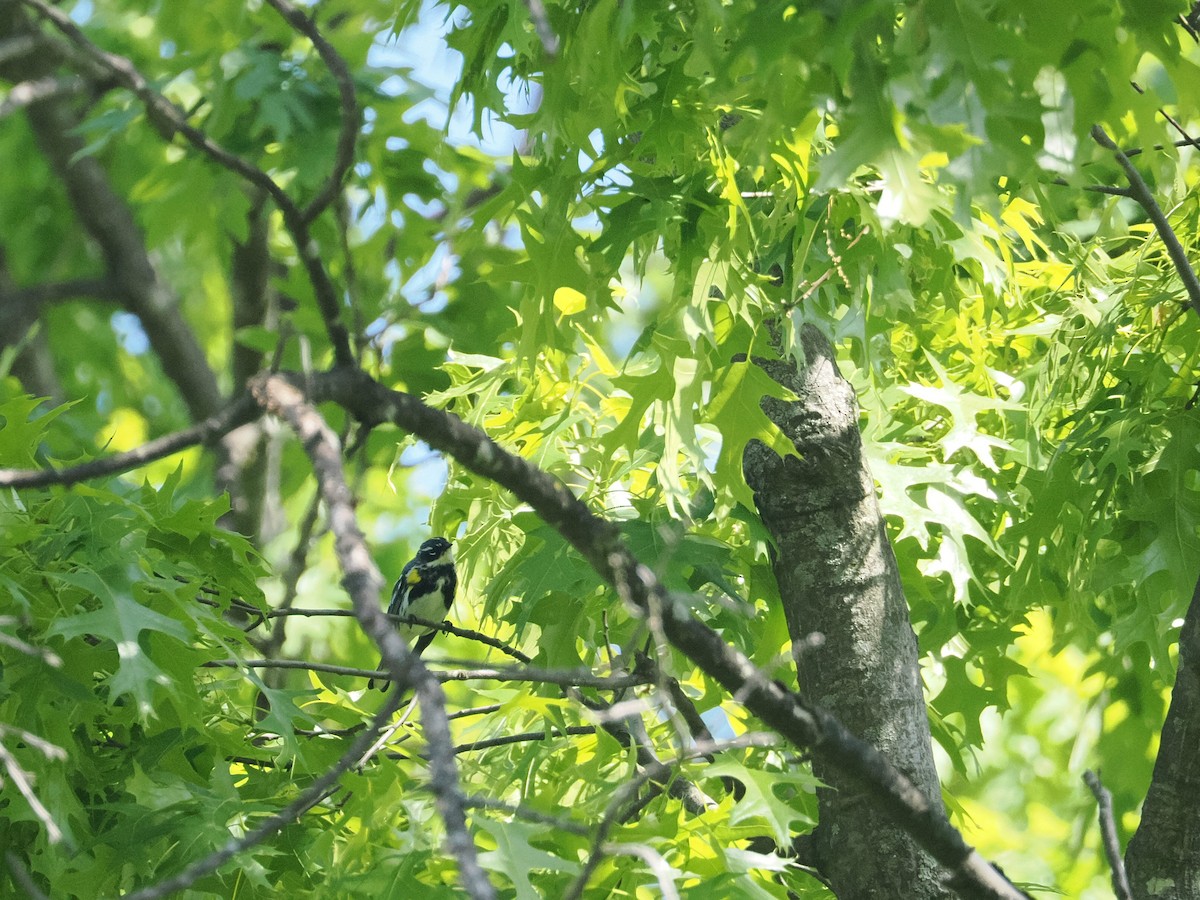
[
  {"x": 105, "y": 288},
  {"x": 364, "y": 584},
  {"x": 572, "y": 677},
  {"x": 479, "y": 801},
  {"x": 525, "y": 737},
  {"x": 135, "y": 282},
  {"x": 21, "y": 781},
  {"x": 618, "y": 806},
  {"x": 599, "y": 542},
  {"x": 297, "y": 561},
  {"x": 1140, "y": 191},
  {"x": 444, "y": 627},
  {"x": 26, "y": 93},
  {"x": 1108, "y": 834}
]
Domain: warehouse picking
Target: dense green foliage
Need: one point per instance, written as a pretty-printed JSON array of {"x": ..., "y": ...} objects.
[{"x": 692, "y": 181}]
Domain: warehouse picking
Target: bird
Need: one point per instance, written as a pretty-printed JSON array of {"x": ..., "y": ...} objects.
[{"x": 425, "y": 589}]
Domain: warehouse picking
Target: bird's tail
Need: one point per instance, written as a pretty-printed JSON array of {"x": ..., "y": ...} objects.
[{"x": 384, "y": 683}]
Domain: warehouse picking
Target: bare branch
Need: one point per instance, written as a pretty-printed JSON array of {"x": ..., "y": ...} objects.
[
  {"x": 1140, "y": 191},
  {"x": 525, "y": 737},
  {"x": 237, "y": 413},
  {"x": 56, "y": 291},
  {"x": 444, "y": 627},
  {"x": 21, "y": 781},
  {"x": 572, "y": 677},
  {"x": 363, "y": 582},
  {"x": 1108, "y": 834},
  {"x": 333, "y": 60}
]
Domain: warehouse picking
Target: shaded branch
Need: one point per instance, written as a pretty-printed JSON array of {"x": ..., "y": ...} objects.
[
  {"x": 21, "y": 877},
  {"x": 526, "y": 737},
  {"x": 479, "y": 801},
  {"x": 135, "y": 282},
  {"x": 572, "y": 677},
  {"x": 1140, "y": 191},
  {"x": 105, "y": 288},
  {"x": 26, "y": 93}
]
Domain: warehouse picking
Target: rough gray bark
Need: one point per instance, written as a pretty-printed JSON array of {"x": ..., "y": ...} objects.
[
  {"x": 838, "y": 579},
  {"x": 1163, "y": 858}
]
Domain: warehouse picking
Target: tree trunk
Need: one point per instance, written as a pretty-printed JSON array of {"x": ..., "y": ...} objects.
[
  {"x": 1163, "y": 858},
  {"x": 854, "y": 646}
]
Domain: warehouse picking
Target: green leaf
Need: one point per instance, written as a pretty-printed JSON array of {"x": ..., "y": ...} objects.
[
  {"x": 735, "y": 408},
  {"x": 517, "y": 858},
  {"x": 121, "y": 620},
  {"x": 762, "y": 802}
]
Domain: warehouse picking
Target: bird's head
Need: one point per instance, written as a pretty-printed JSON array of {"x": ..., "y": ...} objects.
[{"x": 435, "y": 550}]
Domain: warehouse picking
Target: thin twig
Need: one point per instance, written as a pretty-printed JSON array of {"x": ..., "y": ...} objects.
[
  {"x": 525, "y": 737},
  {"x": 20, "y": 780},
  {"x": 445, "y": 627},
  {"x": 1108, "y": 834},
  {"x": 573, "y": 677},
  {"x": 297, "y": 560},
  {"x": 1140, "y": 191},
  {"x": 519, "y": 810},
  {"x": 1095, "y": 188}
]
